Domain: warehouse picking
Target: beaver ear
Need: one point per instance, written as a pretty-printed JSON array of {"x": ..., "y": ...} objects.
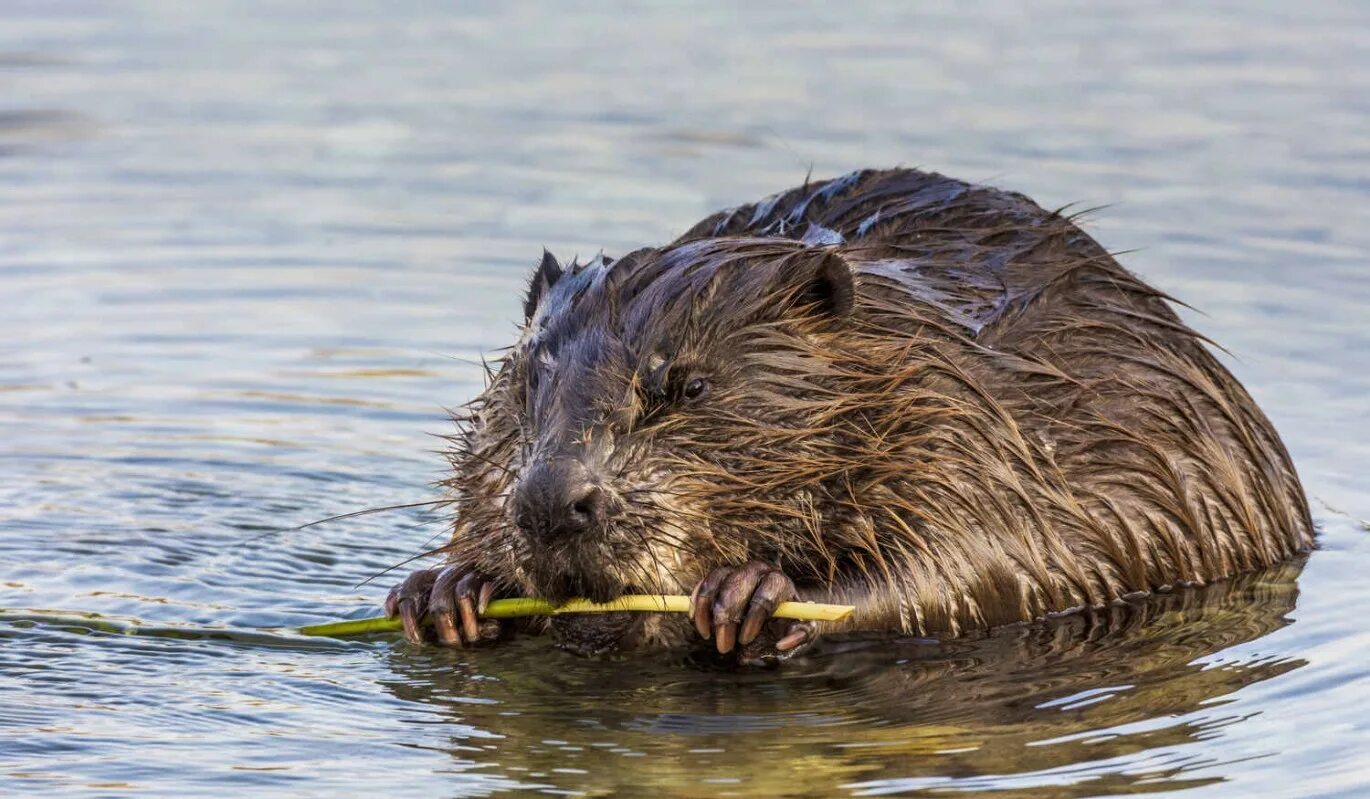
[
  {"x": 544, "y": 277},
  {"x": 830, "y": 285}
]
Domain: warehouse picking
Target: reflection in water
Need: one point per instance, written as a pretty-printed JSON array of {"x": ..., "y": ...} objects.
[{"x": 1015, "y": 710}]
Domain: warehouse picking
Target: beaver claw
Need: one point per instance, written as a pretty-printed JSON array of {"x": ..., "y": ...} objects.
[
  {"x": 452, "y": 597},
  {"x": 734, "y": 606}
]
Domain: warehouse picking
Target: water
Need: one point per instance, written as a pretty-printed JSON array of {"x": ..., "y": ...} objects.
[{"x": 248, "y": 252}]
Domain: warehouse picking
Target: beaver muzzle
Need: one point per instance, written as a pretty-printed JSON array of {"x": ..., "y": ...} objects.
[{"x": 558, "y": 499}]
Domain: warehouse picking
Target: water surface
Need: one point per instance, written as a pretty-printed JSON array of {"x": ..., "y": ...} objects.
[{"x": 248, "y": 252}]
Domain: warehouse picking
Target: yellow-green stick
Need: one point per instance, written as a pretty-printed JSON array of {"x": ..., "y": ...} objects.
[{"x": 514, "y": 608}]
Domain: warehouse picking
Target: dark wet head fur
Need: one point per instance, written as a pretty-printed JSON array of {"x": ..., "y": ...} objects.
[{"x": 934, "y": 399}]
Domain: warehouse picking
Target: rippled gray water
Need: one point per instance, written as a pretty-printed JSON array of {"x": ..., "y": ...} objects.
[{"x": 248, "y": 251}]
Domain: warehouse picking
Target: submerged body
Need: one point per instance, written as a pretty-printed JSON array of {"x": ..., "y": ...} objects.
[{"x": 935, "y": 401}]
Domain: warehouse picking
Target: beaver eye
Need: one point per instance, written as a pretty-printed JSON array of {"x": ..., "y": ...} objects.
[{"x": 695, "y": 389}]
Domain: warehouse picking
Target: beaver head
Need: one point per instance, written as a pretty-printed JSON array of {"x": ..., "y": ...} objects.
[{"x": 634, "y": 435}]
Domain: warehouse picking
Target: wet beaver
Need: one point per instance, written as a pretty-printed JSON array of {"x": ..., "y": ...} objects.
[{"x": 932, "y": 400}]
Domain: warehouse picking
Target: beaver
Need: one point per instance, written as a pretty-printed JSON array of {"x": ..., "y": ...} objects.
[{"x": 936, "y": 401}]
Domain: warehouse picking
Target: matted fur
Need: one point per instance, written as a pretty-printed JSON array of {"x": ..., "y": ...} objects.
[{"x": 1004, "y": 424}]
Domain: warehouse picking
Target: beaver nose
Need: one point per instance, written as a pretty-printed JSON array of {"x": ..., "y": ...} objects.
[{"x": 557, "y": 498}]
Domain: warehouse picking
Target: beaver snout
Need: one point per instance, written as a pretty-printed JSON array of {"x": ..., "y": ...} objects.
[{"x": 559, "y": 499}]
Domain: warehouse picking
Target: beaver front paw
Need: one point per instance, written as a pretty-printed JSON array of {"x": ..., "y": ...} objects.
[
  {"x": 734, "y": 606},
  {"x": 453, "y": 597}
]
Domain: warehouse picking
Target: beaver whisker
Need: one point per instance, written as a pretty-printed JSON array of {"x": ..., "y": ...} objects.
[
  {"x": 632, "y": 492},
  {"x": 674, "y": 542},
  {"x": 656, "y": 530},
  {"x": 406, "y": 561},
  {"x": 634, "y": 566},
  {"x": 489, "y": 462},
  {"x": 655, "y": 525},
  {"x": 654, "y": 578},
  {"x": 689, "y": 514},
  {"x": 351, "y": 515}
]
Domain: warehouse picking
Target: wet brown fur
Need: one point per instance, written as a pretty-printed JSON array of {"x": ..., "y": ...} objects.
[{"x": 1005, "y": 425}]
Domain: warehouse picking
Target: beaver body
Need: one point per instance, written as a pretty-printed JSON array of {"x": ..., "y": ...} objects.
[{"x": 933, "y": 400}]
